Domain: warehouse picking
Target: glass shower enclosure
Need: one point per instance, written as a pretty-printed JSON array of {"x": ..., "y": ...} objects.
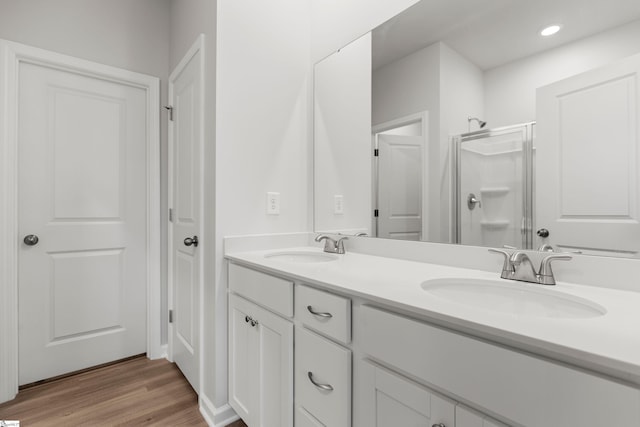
[{"x": 493, "y": 187}]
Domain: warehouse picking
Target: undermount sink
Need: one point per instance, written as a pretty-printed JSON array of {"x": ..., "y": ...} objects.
[
  {"x": 513, "y": 297},
  {"x": 302, "y": 256}
]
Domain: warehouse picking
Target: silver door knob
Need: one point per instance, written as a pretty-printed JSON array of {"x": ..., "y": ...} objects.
[
  {"x": 543, "y": 232},
  {"x": 191, "y": 241},
  {"x": 30, "y": 240}
]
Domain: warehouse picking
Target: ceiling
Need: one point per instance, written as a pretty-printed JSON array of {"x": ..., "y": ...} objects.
[{"x": 491, "y": 33}]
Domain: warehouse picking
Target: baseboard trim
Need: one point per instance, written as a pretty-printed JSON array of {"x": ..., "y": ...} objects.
[
  {"x": 164, "y": 352},
  {"x": 216, "y": 417}
]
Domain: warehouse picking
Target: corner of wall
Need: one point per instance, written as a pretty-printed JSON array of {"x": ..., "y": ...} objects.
[{"x": 216, "y": 417}]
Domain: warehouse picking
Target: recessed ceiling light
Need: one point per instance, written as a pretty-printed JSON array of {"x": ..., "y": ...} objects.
[{"x": 550, "y": 30}]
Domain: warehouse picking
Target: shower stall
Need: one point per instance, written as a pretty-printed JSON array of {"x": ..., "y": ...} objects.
[{"x": 493, "y": 187}]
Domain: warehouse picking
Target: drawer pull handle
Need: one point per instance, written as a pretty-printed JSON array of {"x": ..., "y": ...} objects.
[
  {"x": 319, "y": 314},
  {"x": 326, "y": 387},
  {"x": 439, "y": 425}
]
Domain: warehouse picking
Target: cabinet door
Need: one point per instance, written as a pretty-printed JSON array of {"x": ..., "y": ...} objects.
[
  {"x": 275, "y": 367},
  {"x": 243, "y": 359},
  {"x": 260, "y": 365},
  {"x": 466, "y": 417},
  {"x": 397, "y": 401}
]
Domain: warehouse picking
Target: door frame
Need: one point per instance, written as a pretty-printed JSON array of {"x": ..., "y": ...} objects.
[
  {"x": 197, "y": 48},
  {"x": 422, "y": 118},
  {"x": 11, "y": 55}
]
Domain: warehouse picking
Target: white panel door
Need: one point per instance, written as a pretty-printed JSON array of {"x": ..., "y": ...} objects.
[
  {"x": 587, "y": 160},
  {"x": 186, "y": 200},
  {"x": 400, "y": 187},
  {"x": 396, "y": 401},
  {"x": 82, "y": 192}
]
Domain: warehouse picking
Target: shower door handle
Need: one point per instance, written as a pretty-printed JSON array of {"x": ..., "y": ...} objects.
[{"x": 472, "y": 202}]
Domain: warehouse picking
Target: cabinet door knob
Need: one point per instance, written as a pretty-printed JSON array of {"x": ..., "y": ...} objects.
[
  {"x": 247, "y": 319},
  {"x": 439, "y": 425},
  {"x": 326, "y": 387},
  {"x": 319, "y": 314}
]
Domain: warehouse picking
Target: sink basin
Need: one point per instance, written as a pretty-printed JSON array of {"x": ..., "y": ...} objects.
[
  {"x": 513, "y": 298},
  {"x": 302, "y": 256}
]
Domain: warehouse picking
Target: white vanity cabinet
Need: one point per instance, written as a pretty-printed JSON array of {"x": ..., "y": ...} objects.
[
  {"x": 524, "y": 389},
  {"x": 260, "y": 348},
  {"x": 305, "y": 356}
]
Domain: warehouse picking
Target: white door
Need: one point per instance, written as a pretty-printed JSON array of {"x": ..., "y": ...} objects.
[
  {"x": 588, "y": 159},
  {"x": 185, "y": 173},
  {"x": 400, "y": 187},
  {"x": 393, "y": 400},
  {"x": 82, "y": 192}
]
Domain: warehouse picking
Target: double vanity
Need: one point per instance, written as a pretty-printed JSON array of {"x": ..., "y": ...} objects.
[{"x": 355, "y": 339}]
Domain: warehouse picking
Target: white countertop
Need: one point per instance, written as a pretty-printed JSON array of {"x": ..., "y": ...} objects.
[{"x": 609, "y": 344}]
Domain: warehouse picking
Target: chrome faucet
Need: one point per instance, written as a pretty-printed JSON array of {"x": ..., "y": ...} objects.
[
  {"x": 330, "y": 245},
  {"x": 518, "y": 266}
]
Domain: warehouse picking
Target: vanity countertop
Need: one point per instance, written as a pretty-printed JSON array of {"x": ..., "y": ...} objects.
[{"x": 609, "y": 344}]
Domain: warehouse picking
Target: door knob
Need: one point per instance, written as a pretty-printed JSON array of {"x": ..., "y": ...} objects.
[
  {"x": 543, "y": 232},
  {"x": 30, "y": 240},
  {"x": 191, "y": 241}
]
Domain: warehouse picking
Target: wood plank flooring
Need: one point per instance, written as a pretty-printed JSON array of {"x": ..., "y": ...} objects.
[{"x": 136, "y": 392}]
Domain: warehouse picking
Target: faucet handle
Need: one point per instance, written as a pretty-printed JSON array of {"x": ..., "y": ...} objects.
[
  {"x": 506, "y": 267},
  {"x": 545, "y": 273},
  {"x": 340, "y": 245}
]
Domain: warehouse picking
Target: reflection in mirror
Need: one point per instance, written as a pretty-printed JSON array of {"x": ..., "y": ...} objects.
[
  {"x": 441, "y": 68},
  {"x": 492, "y": 187}
]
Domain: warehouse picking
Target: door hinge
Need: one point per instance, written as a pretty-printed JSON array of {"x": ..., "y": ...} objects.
[
  {"x": 170, "y": 109},
  {"x": 375, "y": 213},
  {"x": 376, "y": 152},
  {"x": 170, "y": 316},
  {"x": 170, "y": 215}
]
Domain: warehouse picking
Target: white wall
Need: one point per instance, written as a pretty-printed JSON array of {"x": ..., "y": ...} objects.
[
  {"x": 461, "y": 96},
  {"x": 133, "y": 35},
  {"x": 342, "y": 138},
  {"x": 262, "y": 136},
  {"x": 407, "y": 86},
  {"x": 335, "y": 23},
  {"x": 510, "y": 89}
]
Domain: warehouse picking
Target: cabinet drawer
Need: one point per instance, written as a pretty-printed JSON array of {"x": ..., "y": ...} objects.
[
  {"x": 329, "y": 366},
  {"x": 525, "y": 389},
  {"x": 332, "y": 312},
  {"x": 271, "y": 292}
]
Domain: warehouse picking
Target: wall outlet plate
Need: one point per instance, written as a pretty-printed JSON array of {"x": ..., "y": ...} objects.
[
  {"x": 273, "y": 203},
  {"x": 338, "y": 204}
]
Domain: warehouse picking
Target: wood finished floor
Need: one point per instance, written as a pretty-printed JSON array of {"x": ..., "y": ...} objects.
[{"x": 136, "y": 392}]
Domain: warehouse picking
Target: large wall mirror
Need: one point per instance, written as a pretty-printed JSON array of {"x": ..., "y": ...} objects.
[{"x": 459, "y": 122}]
